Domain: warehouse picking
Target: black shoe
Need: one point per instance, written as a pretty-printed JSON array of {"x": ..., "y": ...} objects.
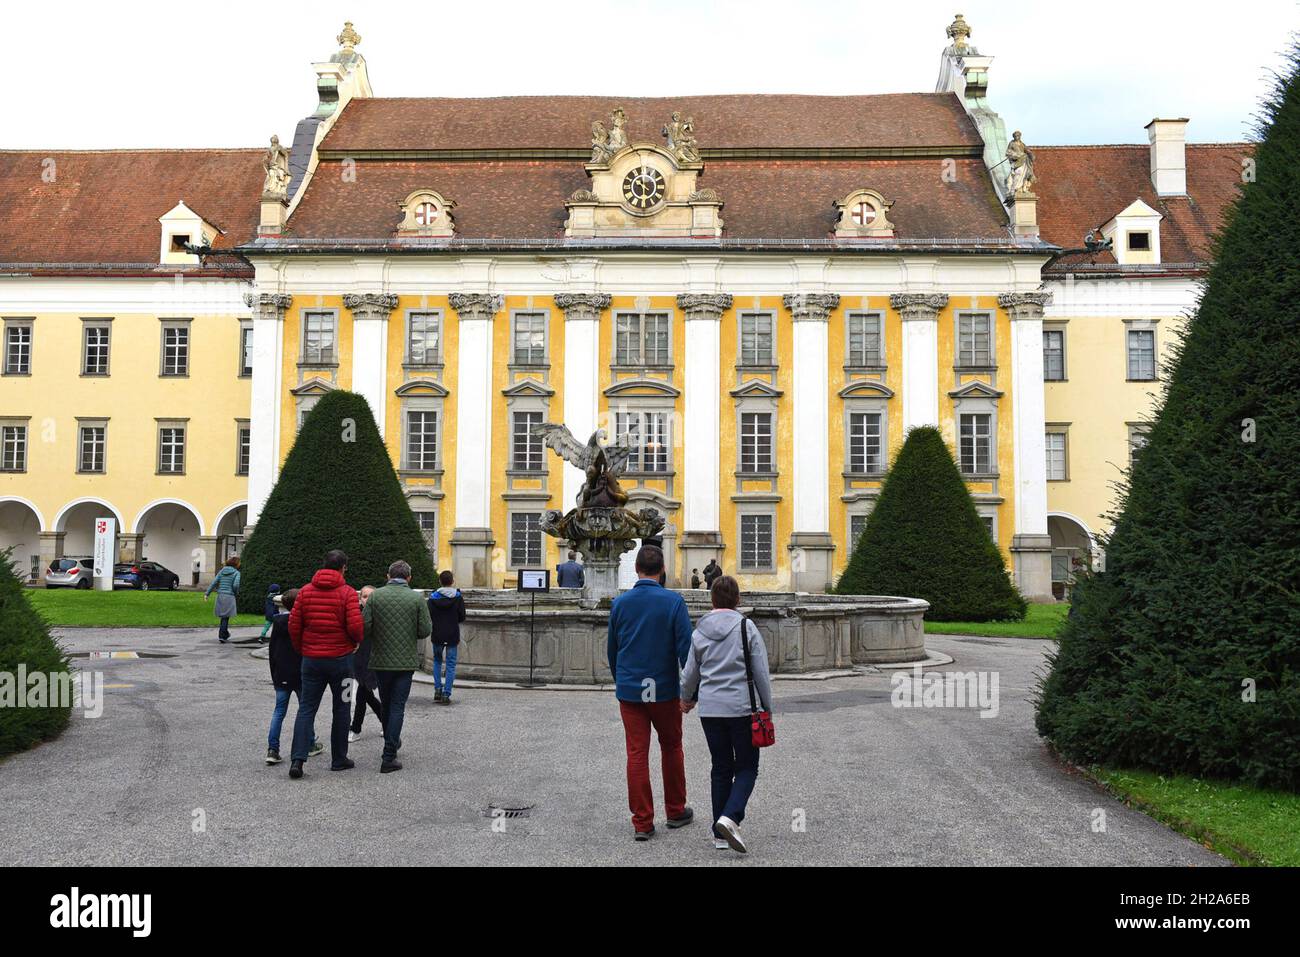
[
  {"x": 345, "y": 765},
  {"x": 273, "y": 756},
  {"x": 644, "y": 835},
  {"x": 446, "y": 699},
  {"x": 388, "y": 767},
  {"x": 686, "y": 818},
  {"x": 437, "y": 696},
  {"x": 295, "y": 769}
]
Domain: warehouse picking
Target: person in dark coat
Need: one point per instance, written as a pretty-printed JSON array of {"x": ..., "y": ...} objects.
[
  {"x": 570, "y": 573},
  {"x": 712, "y": 572},
  {"x": 269, "y": 610},
  {"x": 695, "y": 578},
  {"x": 447, "y": 609},
  {"x": 367, "y": 682},
  {"x": 286, "y": 675}
]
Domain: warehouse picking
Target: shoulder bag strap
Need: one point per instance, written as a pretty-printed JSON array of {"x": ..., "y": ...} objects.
[{"x": 749, "y": 671}]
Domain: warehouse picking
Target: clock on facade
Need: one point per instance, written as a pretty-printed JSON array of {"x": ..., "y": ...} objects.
[{"x": 643, "y": 187}]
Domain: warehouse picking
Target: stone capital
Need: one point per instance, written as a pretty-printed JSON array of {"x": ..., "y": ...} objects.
[
  {"x": 370, "y": 305},
  {"x": 268, "y": 305},
  {"x": 704, "y": 305},
  {"x": 918, "y": 305},
  {"x": 582, "y": 305},
  {"x": 1025, "y": 305},
  {"x": 810, "y": 306},
  {"x": 475, "y": 305}
]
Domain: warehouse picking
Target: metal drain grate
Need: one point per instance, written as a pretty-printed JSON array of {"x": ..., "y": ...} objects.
[{"x": 510, "y": 811}]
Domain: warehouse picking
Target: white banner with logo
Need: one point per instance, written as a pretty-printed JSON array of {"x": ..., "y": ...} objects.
[{"x": 105, "y": 552}]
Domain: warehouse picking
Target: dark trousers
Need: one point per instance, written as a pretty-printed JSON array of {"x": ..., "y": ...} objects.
[
  {"x": 365, "y": 697},
  {"x": 394, "y": 689},
  {"x": 666, "y": 719},
  {"x": 223, "y": 629},
  {"x": 735, "y": 765},
  {"x": 317, "y": 674}
]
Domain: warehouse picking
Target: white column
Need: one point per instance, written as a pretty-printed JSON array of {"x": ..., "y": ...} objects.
[
  {"x": 264, "y": 422},
  {"x": 920, "y": 320},
  {"x": 701, "y": 535},
  {"x": 581, "y": 375},
  {"x": 810, "y": 540},
  {"x": 370, "y": 312}
]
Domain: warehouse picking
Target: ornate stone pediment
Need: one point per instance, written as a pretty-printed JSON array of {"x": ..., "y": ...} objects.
[
  {"x": 866, "y": 389},
  {"x": 643, "y": 387},
  {"x": 313, "y": 386},
  {"x": 426, "y": 212},
  {"x": 976, "y": 390},
  {"x": 756, "y": 389},
  {"x": 423, "y": 387},
  {"x": 863, "y": 214},
  {"x": 530, "y": 388}
]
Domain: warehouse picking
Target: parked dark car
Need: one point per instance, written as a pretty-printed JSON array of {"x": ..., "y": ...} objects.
[
  {"x": 144, "y": 576},
  {"x": 70, "y": 573}
]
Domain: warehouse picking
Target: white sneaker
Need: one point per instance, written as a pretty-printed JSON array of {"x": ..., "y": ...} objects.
[
  {"x": 720, "y": 845},
  {"x": 731, "y": 831},
  {"x": 354, "y": 736}
]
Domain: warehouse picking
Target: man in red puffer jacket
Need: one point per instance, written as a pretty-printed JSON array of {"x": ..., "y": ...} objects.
[{"x": 325, "y": 627}]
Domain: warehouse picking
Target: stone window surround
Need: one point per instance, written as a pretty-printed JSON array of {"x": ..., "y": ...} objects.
[
  {"x": 849, "y": 316},
  {"x": 527, "y": 395},
  {"x": 91, "y": 422},
  {"x": 303, "y": 361},
  {"x": 957, "y": 316},
  {"x": 878, "y": 404},
  {"x": 648, "y": 403},
  {"x": 1060, "y": 428},
  {"x": 172, "y": 422},
  {"x": 422, "y": 403},
  {"x": 861, "y": 508},
  {"x": 240, "y": 426},
  {"x": 988, "y": 510},
  {"x": 407, "y": 362},
  {"x": 741, "y": 315},
  {"x": 1059, "y": 325},
  {"x": 658, "y": 367},
  {"x": 305, "y": 398},
  {"x": 87, "y": 323},
  {"x": 17, "y": 421},
  {"x": 524, "y": 508},
  {"x": 1143, "y": 325},
  {"x": 245, "y": 329},
  {"x": 514, "y": 363},
  {"x": 166, "y": 323},
  {"x": 757, "y": 402},
  {"x": 1135, "y": 429},
  {"x": 15, "y": 322},
  {"x": 755, "y": 508},
  {"x": 977, "y": 405}
]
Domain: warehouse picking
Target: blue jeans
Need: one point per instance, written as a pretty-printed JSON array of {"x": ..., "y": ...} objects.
[
  {"x": 735, "y": 765},
  {"x": 278, "y": 715},
  {"x": 317, "y": 673},
  {"x": 394, "y": 689},
  {"x": 451, "y": 652}
]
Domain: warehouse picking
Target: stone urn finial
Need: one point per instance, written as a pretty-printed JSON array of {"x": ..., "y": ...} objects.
[
  {"x": 349, "y": 38},
  {"x": 959, "y": 31}
]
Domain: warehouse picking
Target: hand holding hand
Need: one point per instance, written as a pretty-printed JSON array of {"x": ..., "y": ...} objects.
[{"x": 687, "y": 706}]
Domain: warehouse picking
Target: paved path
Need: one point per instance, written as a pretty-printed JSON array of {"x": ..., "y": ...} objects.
[{"x": 876, "y": 784}]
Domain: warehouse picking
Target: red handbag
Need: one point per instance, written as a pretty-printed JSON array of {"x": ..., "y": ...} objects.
[{"x": 762, "y": 731}]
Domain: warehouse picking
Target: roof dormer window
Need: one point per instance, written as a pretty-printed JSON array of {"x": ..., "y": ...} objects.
[
  {"x": 1139, "y": 242},
  {"x": 179, "y": 242}
]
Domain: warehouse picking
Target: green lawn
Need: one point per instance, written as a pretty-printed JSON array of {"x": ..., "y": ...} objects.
[
  {"x": 1041, "y": 621},
  {"x": 1246, "y": 824},
  {"x": 129, "y": 609}
]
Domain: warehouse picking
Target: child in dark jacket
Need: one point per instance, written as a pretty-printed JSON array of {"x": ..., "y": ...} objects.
[
  {"x": 270, "y": 610},
  {"x": 447, "y": 609},
  {"x": 286, "y": 675}
]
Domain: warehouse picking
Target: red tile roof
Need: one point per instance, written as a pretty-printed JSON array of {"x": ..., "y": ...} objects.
[{"x": 102, "y": 206}]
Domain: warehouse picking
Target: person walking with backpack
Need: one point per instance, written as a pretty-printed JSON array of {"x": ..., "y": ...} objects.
[{"x": 447, "y": 611}]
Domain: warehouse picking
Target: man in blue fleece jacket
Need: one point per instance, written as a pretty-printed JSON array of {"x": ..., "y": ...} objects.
[{"x": 649, "y": 638}]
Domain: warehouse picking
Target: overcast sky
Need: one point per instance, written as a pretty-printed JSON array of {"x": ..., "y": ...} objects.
[{"x": 99, "y": 75}]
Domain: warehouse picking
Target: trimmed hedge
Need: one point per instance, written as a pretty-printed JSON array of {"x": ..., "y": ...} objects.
[
  {"x": 25, "y": 640},
  {"x": 924, "y": 539},
  {"x": 337, "y": 489},
  {"x": 1184, "y": 655}
]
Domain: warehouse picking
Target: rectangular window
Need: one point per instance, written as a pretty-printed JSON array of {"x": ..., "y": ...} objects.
[
  {"x": 530, "y": 339},
  {"x": 976, "y": 445},
  {"x": 428, "y": 522},
  {"x": 244, "y": 450},
  {"x": 988, "y": 524},
  {"x": 1142, "y": 354},
  {"x": 1139, "y": 242},
  {"x": 756, "y": 542},
  {"x": 641, "y": 339},
  {"x": 318, "y": 338},
  {"x": 1056, "y": 457},
  {"x": 756, "y": 442},
  {"x": 94, "y": 352},
  {"x": 864, "y": 443},
  {"x": 857, "y": 523},
  {"x": 246, "y": 349},
  {"x": 18, "y": 350},
  {"x": 526, "y": 455},
  {"x": 171, "y": 450},
  {"x": 176, "y": 350},
  {"x": 975, "y": 340},
  {"x": 424, "y": 338},
  {"x": 525, "y": 538},
  {"x": 646, "y": 433},
  {"x": 1137, "y": 441},
  {"x": 13, "y": 448},
  {"x": 421, "y": 441},
  {"x": 757, "y": 331},
  {"x": 91, "y": 447},
  {"x": 865, "y": 341},
  {"x": 1053, "y": 355}
]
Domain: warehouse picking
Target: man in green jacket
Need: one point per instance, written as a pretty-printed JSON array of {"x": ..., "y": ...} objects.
[{"x": 396, "y": 619}]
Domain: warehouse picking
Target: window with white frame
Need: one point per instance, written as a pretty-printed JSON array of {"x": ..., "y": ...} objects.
[
  {"x": 245, "y": 349},
  {"x": 866, "y": 340},
  {"x": 92, "y": 443},
  {"x": 1056, "y": 456},
  {"x": 857, "y": 525},
  {"x": 530, "y": 339},
  {"x": 1138, "y": 438},
  {"x": 94, "y": 348},
  {"x": 756, "y": 443},
  {"x": 987, "y": 521},
  {"x": 171, "y": 449},
  {"x": 13, "y": 448},
  {"x": 243, "y": 448},
  {"x": 646, "y": 433},
  {"x": 525, "y": 539},
  {"x": 427, "y": 519},
  {"x": 757, "y": 339},
  {"x": 18, "y": 348},
  {"x": 526, "y": 454},
  {"x": 976, "y": 443},
  {"x": 975, "y": 340},
  {"x": 641, "y": 339},
  {"x": 757, "y": 542},
  {"x": 318, "y": 338},
  {"x": 421, "y": 440},
  {"x": 1142, "y": 354},
  {"x": 1054, "y": 355},
  {"x": 423, "y": 338},
  {"x": 865, "y": 443},
  {"x": 176, "y": 349}
]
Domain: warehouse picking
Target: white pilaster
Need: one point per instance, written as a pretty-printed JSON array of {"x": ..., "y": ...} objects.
[
  {"x": 474, "y": 408},
  {"x": 920, "y": 321},
  {"x": 370, "y": 312},
  {"x": 702, "y": 413},
  {"x": 264, "y": 424},
  {"x": 581, "y": 375}
]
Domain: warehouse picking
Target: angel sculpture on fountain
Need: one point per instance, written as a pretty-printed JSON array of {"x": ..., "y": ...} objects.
[{"x": 602, "y": 464}]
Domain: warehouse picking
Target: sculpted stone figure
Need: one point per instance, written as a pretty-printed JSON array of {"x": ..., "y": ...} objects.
[
  {"x": 680, "y": 133},
  {"x": 1021, "y": 174},
  {"x": 602, "y": 464},
  {"x": 600, "y": 152},
  {"x": 617, "y": 131},
  {"x": 276, "y": 164}
]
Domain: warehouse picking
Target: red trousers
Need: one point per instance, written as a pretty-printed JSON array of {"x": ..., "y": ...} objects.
[{"x": 666, "y": 716}]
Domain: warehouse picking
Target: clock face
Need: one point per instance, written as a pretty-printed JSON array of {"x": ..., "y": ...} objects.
[{"x": 643, "y": 187}]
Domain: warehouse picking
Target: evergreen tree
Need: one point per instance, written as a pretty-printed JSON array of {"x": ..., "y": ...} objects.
[
  {"x": 1184, "y": 655},
  {"x": 25, "y": 640},
  {"x": 924, "y": 539},
  {"x": 337, "y": 489}
]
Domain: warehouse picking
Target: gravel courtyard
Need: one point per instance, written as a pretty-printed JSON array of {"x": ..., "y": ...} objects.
[{"x": 852, "y": 779}]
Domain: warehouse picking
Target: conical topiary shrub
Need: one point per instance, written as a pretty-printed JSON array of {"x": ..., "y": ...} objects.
[
  {"x": 1184, "y": 655},
  {"x": 337, "y": 489},
  {"x": 25, "y": 640},
  {"x": 924, "y": 539}
]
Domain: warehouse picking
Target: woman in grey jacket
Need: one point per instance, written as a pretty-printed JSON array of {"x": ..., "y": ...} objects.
[{"x": 714, "y": 678}]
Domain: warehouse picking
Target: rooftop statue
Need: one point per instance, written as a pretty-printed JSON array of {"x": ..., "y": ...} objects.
[
  {"x": 276, "y": 164},
  {"x": 1021, "y": 175}
]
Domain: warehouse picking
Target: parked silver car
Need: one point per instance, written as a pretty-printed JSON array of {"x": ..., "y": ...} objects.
[{"x": 70, "y": 573}]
